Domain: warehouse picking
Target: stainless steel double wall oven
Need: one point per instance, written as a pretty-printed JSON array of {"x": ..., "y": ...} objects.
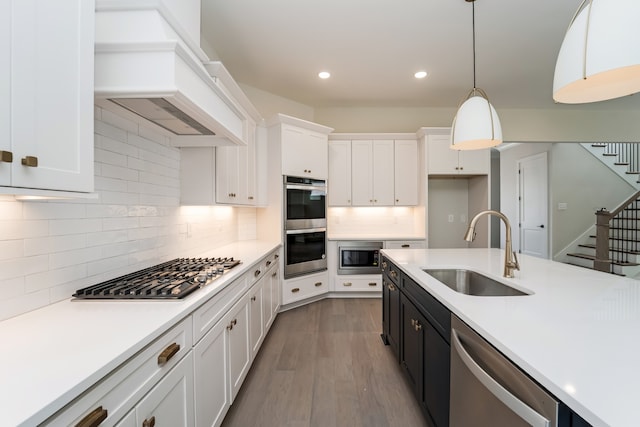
[{"x": 305, "y": 226}]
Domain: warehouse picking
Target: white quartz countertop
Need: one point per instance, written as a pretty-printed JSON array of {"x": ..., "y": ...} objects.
[
  {"x": 578, "y": 334},
  {"x": 51, "y": 355},
  {"x": 372, "y": 236}
]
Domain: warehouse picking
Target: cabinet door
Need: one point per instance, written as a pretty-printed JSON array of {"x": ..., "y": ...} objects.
[
  {"x": 339, "y": 182},
  {"x": 239, "y": 349},
  {"x": 411, "y": 352},
  {"x": 441, "y": 159},
  {"x": 304, "y": 287},
  {"x": 304, "y": 153},
  {"x": 227, "y": 174},
  {"x": 382, "y": 173},
  {"x": 391, "y": 314},
  {"x": 5, "y": 92},
  {"x": 52, "y": 94},
  {"x": 250, "y": 168},
  {"x": 256, "y": 325},
  {"x": 170, "y": 402},
  {"x": 361, "y": 173},
  {"x": 475, "y": 162},
  {"x": 197, "y": 166},
  {"x": 406, "y": 173},
  {"x": 270, "y": 297},
  {"x": 211, "y": 362}
]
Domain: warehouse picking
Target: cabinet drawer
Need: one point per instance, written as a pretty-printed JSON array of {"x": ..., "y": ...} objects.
[
  {"x": 391, "y": 272},
  {"x": 436, "y": 313},
  {"x": 124, "y": 387},
  {"x": 360, "y": 284},
  {"x": 206, "y": 316},
  {"x": 405, "y": 244},
  {"x": 304, "y": 287}
]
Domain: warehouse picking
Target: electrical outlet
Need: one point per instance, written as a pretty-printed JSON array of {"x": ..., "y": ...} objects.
[
  {"x": 463, "y": 218},
  {"x": 450, "y": 217}
]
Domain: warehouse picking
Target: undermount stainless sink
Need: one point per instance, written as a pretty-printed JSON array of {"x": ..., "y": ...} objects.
[{"x": 471, "y": 283}]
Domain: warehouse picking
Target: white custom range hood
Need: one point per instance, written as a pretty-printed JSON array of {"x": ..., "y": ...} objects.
[{"x": 146, "y": 63}]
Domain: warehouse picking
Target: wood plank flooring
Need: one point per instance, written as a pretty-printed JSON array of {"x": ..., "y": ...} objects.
[{"x": 325, "y": 365}]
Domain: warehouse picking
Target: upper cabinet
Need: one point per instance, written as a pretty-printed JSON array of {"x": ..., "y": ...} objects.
[
  {"x": 46, "y": 86},
  {"x": 303, "y": 145},
  {"x": 373, "y": 172},
  {"x": 442, "y": 160}
]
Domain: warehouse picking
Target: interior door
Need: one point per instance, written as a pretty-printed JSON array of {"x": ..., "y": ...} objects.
[{"x": 533, "y": 205}]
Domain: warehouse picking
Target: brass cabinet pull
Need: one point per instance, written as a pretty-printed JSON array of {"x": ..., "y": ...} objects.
[
  {"x": 253, "y": 298},
  {"x": 274, "y": 274},
  {"x": 168, "y": 353},
  {"x": 276, "y": 256},
  {"x": 373, "y": 284},
  {"x": 250, "y": 197},
  {"x": 393, "y": 273},
  {"x": 232, "y": 324},
  {"x": 294, "y": 290},
  {"x": 416, "y": 325},
  {"x": 93, "y": 418},
  {"x": 384, "y": 265},
  {"x": 345, "y": 284},
  {"x": 392, "y": 287},
  {"x": 406, "y": 246},
  {"x": 256, "y": 273},
  {"x": 318, "y": 284},
  {"x": 268, "y": 263},
  {"x": 151, "y": 422},
  {"x": 6, "y": 156},
  {"x": 30, "y": 161}
]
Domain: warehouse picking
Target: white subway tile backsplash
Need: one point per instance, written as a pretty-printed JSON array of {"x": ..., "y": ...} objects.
[{"x": 50, "y": 249}]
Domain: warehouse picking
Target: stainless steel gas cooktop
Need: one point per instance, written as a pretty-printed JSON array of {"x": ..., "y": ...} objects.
[{"x": 170, "y": 280}]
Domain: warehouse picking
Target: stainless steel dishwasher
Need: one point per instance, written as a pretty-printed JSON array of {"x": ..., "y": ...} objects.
[{"x": 487, "y": 390}]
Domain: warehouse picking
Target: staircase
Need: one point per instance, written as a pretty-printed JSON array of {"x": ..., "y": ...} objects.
[{"x": 615, "y": 245}]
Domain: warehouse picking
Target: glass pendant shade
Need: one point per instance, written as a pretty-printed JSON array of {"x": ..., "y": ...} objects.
[
  {"x": 600, "y": 55},
  {"x": 476, "y": 124}
]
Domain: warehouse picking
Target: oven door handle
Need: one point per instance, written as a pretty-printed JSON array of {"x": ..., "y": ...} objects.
[
  {"x": 307, "y": 230},
  {"x": 306, "y": 187}
]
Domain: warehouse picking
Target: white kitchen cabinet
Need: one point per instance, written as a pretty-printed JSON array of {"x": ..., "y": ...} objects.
[
  {"x": 236, "y": 172},
  {"x": 127, "y": 387},
  {"x": 197, "y": 176},
  {"x": 372, "y": 172},
  {"x": 271, "y": 296},
  {"x": 442, "y": 160},
  {"x": 339, "y": 181},
  {"x": 405, "y": 244},
  {"x": 256, "y": 315},
  {"x": 48, "y": 65},
  {"x": 303, "y": 287},
  {"x": 170, "y": 403},
  {"x": 358, "y": 283},
  {"x": 302, "y": 146},
  {"x": 304, "y": 153},
  {"x": 406, "y": 173}
]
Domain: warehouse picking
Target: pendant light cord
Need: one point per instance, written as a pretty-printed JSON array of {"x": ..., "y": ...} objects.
[{"x": 473, "y": 26}]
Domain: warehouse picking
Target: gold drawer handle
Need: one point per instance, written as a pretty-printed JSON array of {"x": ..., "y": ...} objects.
[
  {"x": 318, "y": 284},
  {"x": 346, "y": 284},
  {"x": 294, "y": 290},
  {"x": 30, "y": 161},
  {"x": 151, "y": 422},
  {"x": 256, "y": 273},
  {"x": 392, "y": 287},
  {"x": 406, "y": 246},
  {"x": 94, "y": 418},
  {"x": 384, "y": 265},
  {"x": 253, "y": 298},
  {"x": 268, "y": 263},
  {"x": 168, "y": 353},
  {"x": 274, "y": 274},
  {"x": 6, "y": 156},
  {"x": 373, "y": 284},
  {"x": 393, "y": 273}
]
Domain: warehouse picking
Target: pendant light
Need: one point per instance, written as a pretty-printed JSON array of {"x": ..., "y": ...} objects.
[
  {"x": 476, "y": 124},
  {"x": 600, "y": 57}
]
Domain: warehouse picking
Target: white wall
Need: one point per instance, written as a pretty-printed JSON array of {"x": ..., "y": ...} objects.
[{"x": 48, "y": 249}]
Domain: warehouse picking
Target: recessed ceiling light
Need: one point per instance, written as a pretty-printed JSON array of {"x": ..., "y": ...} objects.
[
  {"x": 420, "y": 74},
  {"x": 324, "y": 74}
]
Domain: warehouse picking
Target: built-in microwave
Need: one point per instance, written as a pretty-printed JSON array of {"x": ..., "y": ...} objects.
[
  {"x": 304, "y": 203},
  {"x": 359, "y": 257}
]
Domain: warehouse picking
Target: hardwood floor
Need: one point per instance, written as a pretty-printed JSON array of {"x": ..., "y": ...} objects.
[{"x": 325, "y": 364}]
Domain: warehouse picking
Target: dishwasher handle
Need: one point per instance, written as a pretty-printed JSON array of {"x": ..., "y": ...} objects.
[{"x": 523, "y": 410}]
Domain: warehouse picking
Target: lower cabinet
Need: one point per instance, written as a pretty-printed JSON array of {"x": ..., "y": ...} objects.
[
  {"x": 300, "y": 288},
  {"x": 417, "y": 329},
  {"x": 425, "y": 357}
]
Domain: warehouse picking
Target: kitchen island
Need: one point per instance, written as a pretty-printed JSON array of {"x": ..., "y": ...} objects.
[{"x": 575, "y": 334}]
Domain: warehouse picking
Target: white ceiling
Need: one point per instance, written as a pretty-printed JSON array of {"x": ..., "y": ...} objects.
[{"x": 373, "y": 47}]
